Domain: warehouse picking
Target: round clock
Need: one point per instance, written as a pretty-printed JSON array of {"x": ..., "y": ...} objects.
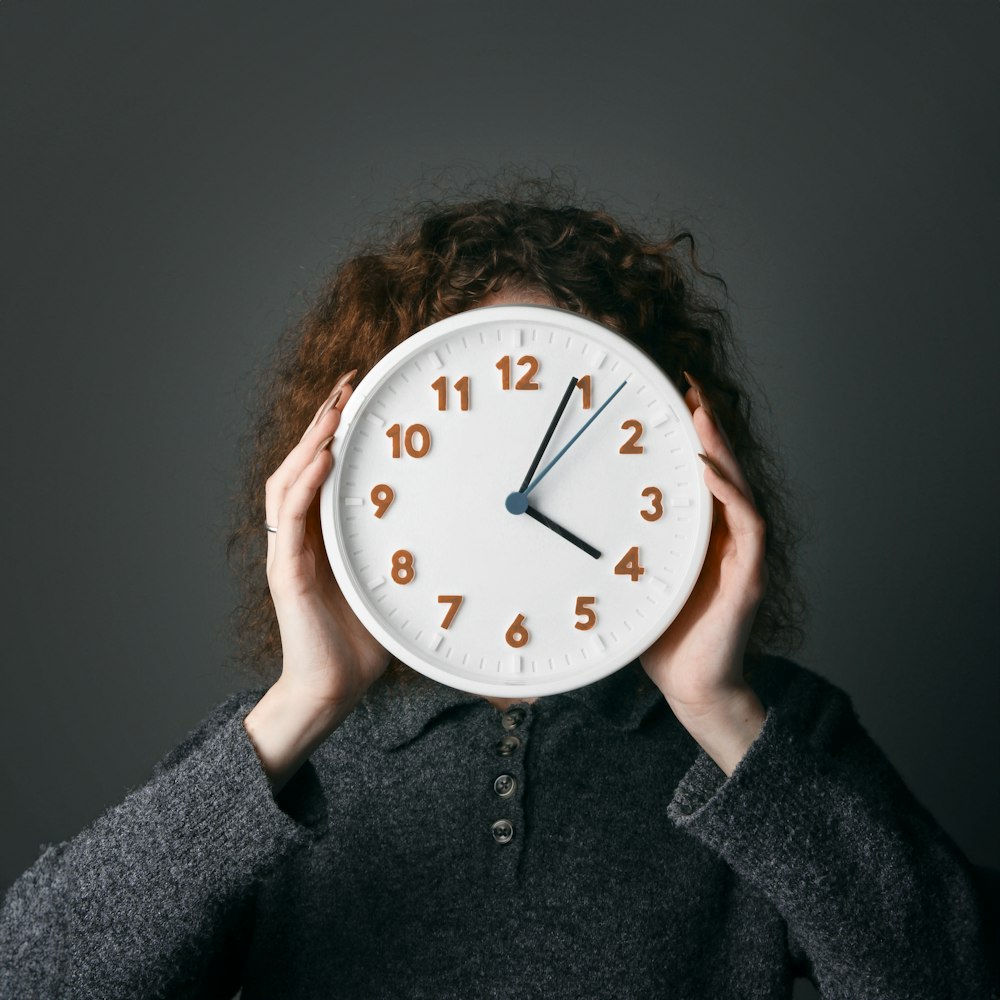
[{"x": 516, "y": 506}]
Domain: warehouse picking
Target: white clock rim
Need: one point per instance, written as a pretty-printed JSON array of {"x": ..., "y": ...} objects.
[{"x": 514, "y": 684}]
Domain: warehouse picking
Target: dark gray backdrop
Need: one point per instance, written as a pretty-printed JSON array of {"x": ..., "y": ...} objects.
[{"x": 176, "y": 175}]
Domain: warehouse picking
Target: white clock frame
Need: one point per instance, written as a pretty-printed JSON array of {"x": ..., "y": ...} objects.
[{"x": 509, "y": 430}]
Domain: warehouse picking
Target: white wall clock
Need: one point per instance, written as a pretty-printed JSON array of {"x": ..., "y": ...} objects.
[{"x": 516, "y": 506}]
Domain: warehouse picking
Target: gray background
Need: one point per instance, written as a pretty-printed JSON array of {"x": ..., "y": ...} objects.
[{"x": 176, "y": 176}]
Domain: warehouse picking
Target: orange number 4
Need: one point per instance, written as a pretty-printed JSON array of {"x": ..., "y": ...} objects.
[{"x": 629, "y": 565}]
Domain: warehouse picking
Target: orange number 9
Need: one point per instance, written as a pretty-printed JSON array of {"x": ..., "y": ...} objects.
[{"x": 382, "y": 496}]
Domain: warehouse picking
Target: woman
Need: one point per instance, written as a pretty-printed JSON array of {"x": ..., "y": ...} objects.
[{"x": 710, "y": 821}]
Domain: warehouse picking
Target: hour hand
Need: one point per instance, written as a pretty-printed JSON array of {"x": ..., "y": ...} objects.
[{"x": 517, "y": 503}]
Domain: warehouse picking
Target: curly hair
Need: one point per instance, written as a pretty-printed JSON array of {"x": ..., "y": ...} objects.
[{"x": 441, "y": 256}]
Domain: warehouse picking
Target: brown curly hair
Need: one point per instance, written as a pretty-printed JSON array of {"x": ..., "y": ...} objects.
[{"x": 444, "y": 255}]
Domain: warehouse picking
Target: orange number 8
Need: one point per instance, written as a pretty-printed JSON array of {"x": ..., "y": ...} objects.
[{"x": 402, "y": 566}]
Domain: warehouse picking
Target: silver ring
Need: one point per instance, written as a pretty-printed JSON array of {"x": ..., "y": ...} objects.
[{"x": 271, "y": 527}]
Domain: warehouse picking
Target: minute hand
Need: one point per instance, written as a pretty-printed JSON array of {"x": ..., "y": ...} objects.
[{"x": 562, "y": 451}]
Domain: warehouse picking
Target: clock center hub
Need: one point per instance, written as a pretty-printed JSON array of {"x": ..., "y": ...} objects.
[{"x": 516, "y": 503}]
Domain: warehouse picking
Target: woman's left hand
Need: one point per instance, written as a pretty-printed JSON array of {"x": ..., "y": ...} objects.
[{"x": 698, "y": 661}]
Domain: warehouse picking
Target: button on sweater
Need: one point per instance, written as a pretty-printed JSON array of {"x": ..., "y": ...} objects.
[{"x": 582, "y": 845}]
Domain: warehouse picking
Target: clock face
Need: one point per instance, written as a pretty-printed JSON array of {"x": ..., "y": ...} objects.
[{"x": 489, "y": 570}]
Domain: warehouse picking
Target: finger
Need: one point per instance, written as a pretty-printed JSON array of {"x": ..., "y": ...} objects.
[
  {"x": 329, "y": 401},
  {"x": 296, "y": 504},
  {"x": 745, "y": 524},
  {"x": 716, "y": 446},
  {"x": 691, "y": 399},
  {"x": 324, "y": 424},
  {"x": 295, "y": 463},
  {"x": 696, "y": 396},
  {"x": 741, "y": 513},
  {"x": 747, "y": 531},
  {"x": 302, "y": 454}
]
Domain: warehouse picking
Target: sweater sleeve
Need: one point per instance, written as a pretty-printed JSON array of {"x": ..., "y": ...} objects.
[
  {"x": 155, "y": 897},
  {"x": 878, "y": 900}
]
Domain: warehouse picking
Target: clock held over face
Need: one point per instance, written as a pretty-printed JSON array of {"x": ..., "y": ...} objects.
[{"x": 516, "y": 505}]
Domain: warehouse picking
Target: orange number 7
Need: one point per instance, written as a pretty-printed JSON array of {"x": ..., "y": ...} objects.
[{"x": 455, "y": 600}]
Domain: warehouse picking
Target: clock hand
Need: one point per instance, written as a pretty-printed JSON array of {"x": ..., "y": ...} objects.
[
  {"x": 560, "y": 530},
  {"x": 565, "y": 447},
  {"x": 517, "y": 503},
  {"x": 548, "y": 433}
]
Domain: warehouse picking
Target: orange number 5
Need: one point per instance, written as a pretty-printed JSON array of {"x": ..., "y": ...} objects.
[{"x": 588, "y": 613}]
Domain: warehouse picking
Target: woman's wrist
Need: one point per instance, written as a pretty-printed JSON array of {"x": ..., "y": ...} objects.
[
  {"x": 285, "y": 728},
  {"x": 725, "y": 728}
]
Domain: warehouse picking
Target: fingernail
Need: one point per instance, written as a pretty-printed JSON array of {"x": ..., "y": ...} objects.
[
  {"x": 711, "y": 464},
  {"x": 324, "y": 445},
  {"x": 702, "y": 399},
  {"x": 344, "y": 379},
  {"x": 338, "y": 387},
  {"x": 330, "y": 403}
]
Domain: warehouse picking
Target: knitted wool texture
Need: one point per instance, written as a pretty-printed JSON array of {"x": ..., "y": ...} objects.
[{"x": 636, "y": 867}]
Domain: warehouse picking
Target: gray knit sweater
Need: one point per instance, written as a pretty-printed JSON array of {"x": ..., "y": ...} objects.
[{"x": 580, "y": 846}]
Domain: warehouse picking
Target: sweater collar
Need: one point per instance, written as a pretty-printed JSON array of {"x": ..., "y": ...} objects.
[{"x": 400, "y": 712}]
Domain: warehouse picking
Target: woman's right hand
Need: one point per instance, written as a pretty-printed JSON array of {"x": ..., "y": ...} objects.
[
  {"x": 329, "y": 658},
  {"x": 327, "y": 654}
]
